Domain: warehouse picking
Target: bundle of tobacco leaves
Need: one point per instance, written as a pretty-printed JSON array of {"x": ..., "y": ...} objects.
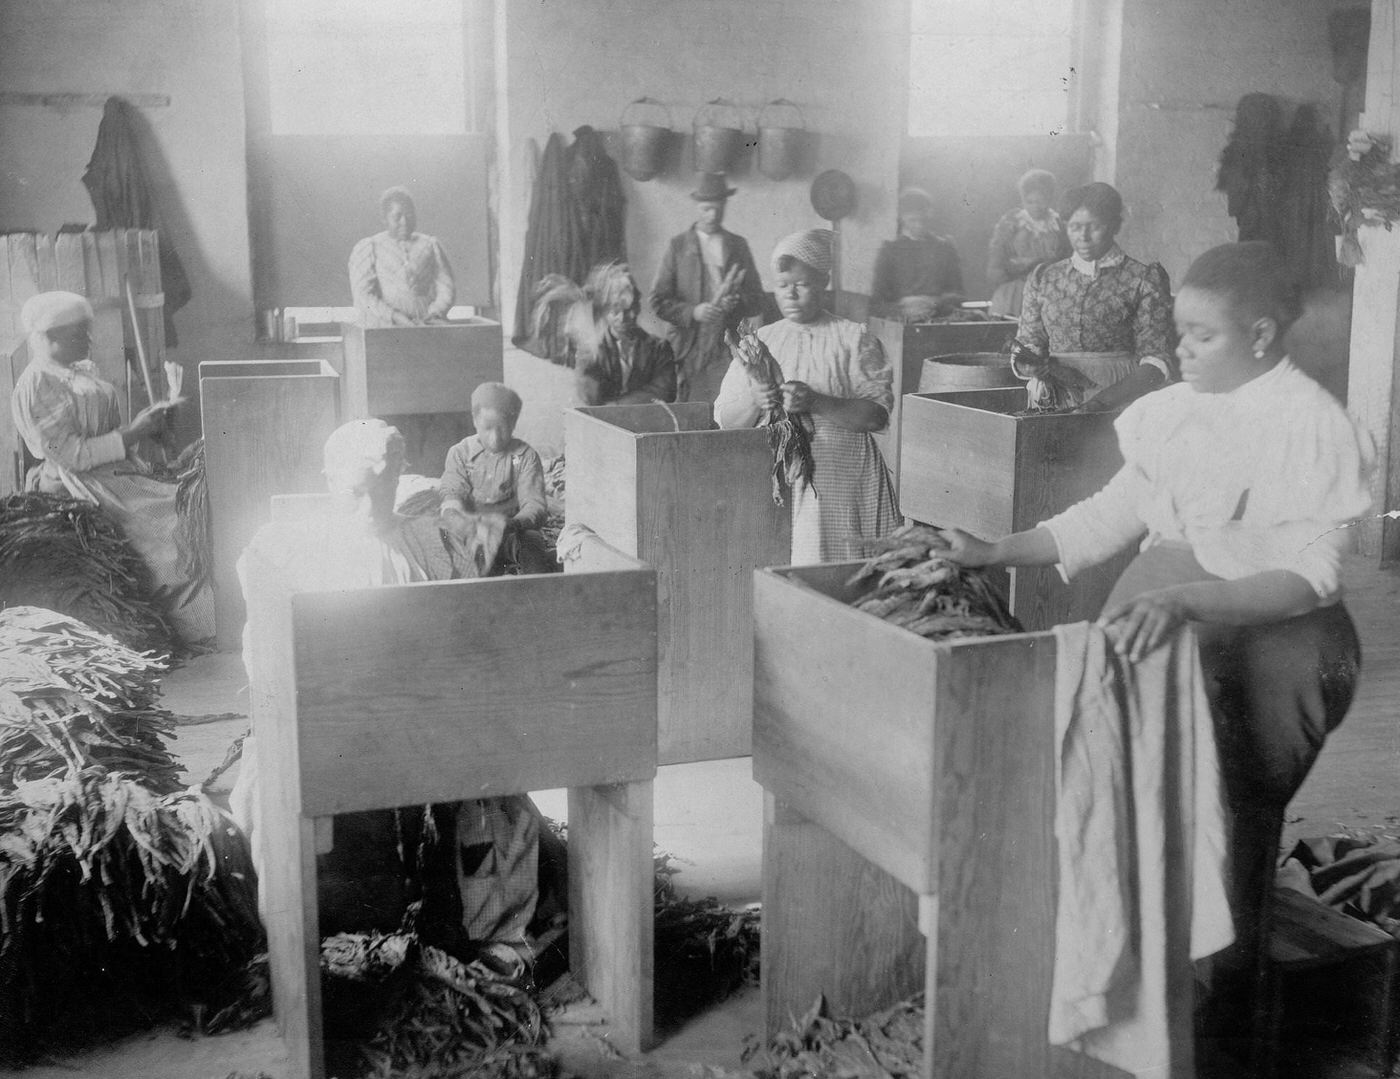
[
  {"x": 920, "y": 589},
  {"x": 66, "y": 555},
  {"x": 788, "y": 437},
  {"x": 122, "y": 895},
  {"x": 886, "y": 1045},
  {"x": 192, "y": 505},
  {"x": 427, "y": 1012}
]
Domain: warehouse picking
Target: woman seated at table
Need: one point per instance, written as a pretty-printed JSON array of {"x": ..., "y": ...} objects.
[
  {"x": 1102, "y": 315},
  {"x": 70, "y": 421},
  {"x": 839, "y": 384},
  {"x": 1236, "y": 485},
  {"x": 917, "y": 275},
  {"x": 400, "y": 277},
  {"x": 1023, "y": 239}
]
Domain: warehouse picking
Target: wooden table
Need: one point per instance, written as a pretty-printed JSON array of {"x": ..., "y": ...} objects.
[
  {"x": 970, "y": 463},
  {"x": 660, "y": 483},
  {"x": 908, "y": 345},
  {"x": 908, "y": 836},
  {"x": 398, "y": 696},
  {"x": 265, "y": 423}
]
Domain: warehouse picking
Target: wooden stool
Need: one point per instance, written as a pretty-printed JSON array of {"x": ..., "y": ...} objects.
[{"x": 1305, "y": 934}]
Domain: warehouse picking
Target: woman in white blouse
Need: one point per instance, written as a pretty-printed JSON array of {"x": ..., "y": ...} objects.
[{"x": 1236, "y": 485}]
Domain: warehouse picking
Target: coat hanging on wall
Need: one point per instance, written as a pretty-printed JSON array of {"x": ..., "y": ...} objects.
[
  {"x": 595, "y": 189},
  {"x": 123, "y": 198},
  {"x": 552, "y": 240},
  {"x": 1305, "y": 232},
  {"x": 1250, "y": 173}
]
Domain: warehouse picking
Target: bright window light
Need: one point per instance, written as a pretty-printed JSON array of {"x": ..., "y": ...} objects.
[
  {"x": 990, "y": 67},
  {"x": 355, "y": 67}
]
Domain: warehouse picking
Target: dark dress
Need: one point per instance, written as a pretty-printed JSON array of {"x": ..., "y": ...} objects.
[
  {"x": 908, "y": 267},
  {"x": 649, "y": 368}
]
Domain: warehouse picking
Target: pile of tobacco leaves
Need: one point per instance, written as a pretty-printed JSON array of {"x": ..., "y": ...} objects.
[
  {"x": 920, "y": 589},
  {"x": 66, "y": 555},
  {"x": 886, "y": 1045},
  {"x": 125, "y": 898}
]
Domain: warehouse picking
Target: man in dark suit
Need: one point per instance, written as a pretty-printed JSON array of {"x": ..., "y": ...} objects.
[{"x": 707, "y": 283}]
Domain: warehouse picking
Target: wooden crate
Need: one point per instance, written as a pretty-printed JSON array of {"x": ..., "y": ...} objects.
[
  {"x": 376, "y": 698},
  {"x": 908, "y": 834},
  {"x": 908, "y": 345},
  {"x": 265, "y": 423},
  {"x": 661, "y": 484},
  {"x": 969, "y": 463},
  {"x": 418, "y": 370}
]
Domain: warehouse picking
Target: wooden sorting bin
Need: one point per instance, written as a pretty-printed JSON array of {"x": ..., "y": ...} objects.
[
  {"x": 398, "y": 696},
  {"x": 908, "y": 834},
  {"x": 908, "y": 345},
  {"x": 661, "y": 484},
  {"x": 265, "y": 422},
  {"x": 969, "y": 462}
]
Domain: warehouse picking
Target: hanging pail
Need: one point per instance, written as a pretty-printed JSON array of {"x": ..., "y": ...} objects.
[
  {"x": 967, "y": 371},
  {"x": 782, "y": 138},
  {"x": 719, "y": 136},
  {"x": 644, "y": 138}
]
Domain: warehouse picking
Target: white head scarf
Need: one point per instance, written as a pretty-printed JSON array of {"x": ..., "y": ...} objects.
[
  {"x": 363, "y": 445},
  {"x": 810, "y": 246},
  {"x": 50, "y": 310}
]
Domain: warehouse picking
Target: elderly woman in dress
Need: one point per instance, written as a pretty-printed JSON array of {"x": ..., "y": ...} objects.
[
  {"x": 838, "y": 382},
  {"x": 1099, "y": 313},
  {"x": 1023, "y": 239},
  {"x": 400, "y": 277},
  {"x": 69, "y": 418}
]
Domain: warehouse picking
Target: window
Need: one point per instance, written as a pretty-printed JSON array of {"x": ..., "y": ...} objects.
[
  {"x": 366, "y": 67},
  {"x": 990, "y": 67}
]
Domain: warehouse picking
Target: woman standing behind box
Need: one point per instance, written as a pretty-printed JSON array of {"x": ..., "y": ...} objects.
[
  {"x": 840, "y": 384},
  {"x": 1026, "y": 237},
  {"x": 1236, "y": 484},
  {"x": 1103, "y": 314}
]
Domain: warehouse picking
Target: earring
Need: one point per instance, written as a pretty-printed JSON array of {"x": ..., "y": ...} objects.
[{"x": 1258, "y": 353}]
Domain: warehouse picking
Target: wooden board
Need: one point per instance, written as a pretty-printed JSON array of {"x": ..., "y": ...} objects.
[
  {"x": 433, "y": 719},
  {"x": 969, "y": 463},
  {"x": 491, "y": 686},
  {"x": 418, "y": 369},
  {"x": 695, "y": 505},
  {"x": 264, "y": 426},
  {"x": 980, "y": 736}
]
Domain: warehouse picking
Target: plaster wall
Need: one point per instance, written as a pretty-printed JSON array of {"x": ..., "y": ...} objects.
[
  {"x": 844, "y": 62},
  {"x": 1183, "y": 66},
  {"x": 195, "y": 147}
]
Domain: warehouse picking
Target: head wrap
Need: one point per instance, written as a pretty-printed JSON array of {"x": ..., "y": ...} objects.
[
  {"x": 50, "y": 310},
  {"x": 364, "y": 445},
  {"x": 811, "y": 246},
  {"x": 497, "y": 396}
]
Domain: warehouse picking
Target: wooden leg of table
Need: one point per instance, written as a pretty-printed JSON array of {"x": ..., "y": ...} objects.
[
  {"x": 833, "y": 924},
  {"x": 294, "y": 943},
  {"x": 610, "y": 904}
]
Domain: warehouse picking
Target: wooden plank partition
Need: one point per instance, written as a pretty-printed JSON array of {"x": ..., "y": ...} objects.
[
  {"x": 662, "y": 484},
  {"x": 969, "y": 462},
  {"x": 908, "y": 839},
  {"x": 376, "y": 698},
  {"x": 265, "y": 422}
]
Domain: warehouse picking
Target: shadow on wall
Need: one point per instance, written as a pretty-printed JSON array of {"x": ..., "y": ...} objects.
[{"x": 216, "y": 312}]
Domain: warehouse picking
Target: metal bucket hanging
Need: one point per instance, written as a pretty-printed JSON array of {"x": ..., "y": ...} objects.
[
  {"x": 643, "y": 139},
  {"x": 719, "y": 136},
  {"x": 780, "y": 140}
]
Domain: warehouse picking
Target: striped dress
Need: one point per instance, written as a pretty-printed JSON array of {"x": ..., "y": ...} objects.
[{"x": 851, "y": 500}]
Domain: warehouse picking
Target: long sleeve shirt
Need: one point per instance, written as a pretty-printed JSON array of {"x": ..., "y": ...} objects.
[
  {"x": 67, "y": 416},
  {"x": 1261, "y": 478},
  {"x": 636, "y": 364},
  {"x": 412, "y": 278},
  {"x": 510, "y": 482}
]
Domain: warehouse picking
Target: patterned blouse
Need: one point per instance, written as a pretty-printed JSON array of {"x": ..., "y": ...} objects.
[
  {"x": 68, "y": 417},
  {"x": 1116, "y": 304},
  {"x": 412, "y": 278}
]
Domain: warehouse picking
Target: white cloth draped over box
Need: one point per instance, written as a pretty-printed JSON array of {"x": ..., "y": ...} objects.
[{"x": 1141, "y": 837}]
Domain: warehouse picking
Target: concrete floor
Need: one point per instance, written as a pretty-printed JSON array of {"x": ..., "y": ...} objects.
[{"x": 709, "y": 817}]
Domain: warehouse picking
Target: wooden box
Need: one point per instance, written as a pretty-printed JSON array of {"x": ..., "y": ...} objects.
[
  {"x": 908, "y": 345},
  {"x": 661, "y": 484},
  {"x": 969, "y": 462},
  {"x": 265, "y": 423},
  {"x": 418, "y": 370},
  {"x": 908, "y": 839},
  {"x": 397, "y": 696}
]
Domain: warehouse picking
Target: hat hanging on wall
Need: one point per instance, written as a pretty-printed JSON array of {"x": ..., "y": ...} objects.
[
  {"x": 782, "y": 136},
  {"x": 719, "y": 136},
  {"x": 644, "y": 137},
  {"x": 834, "y": 197}
]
